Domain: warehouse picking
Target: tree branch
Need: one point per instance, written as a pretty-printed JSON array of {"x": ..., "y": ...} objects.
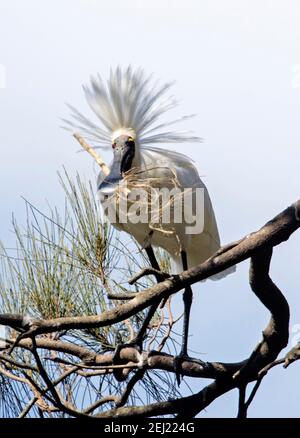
[{"x": 271, "y": 234}]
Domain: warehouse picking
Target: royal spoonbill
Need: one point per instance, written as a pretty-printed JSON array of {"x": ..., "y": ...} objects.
[{"x": 128, "y": 106}]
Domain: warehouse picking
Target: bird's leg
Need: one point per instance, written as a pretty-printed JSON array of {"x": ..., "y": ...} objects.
[
  {"x": 137, "y": 342},
  {"x": 187, "y": 301},
  {"x": 139, "y": 338}
]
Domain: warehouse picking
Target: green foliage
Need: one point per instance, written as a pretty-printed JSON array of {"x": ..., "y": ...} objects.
[{"x": 67, "y": 265}]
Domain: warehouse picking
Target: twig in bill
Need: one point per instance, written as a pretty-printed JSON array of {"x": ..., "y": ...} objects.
[{"x": 91, "y": 151}]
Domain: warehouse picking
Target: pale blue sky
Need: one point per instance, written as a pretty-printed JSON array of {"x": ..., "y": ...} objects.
[{"x": 234, "y": 62}]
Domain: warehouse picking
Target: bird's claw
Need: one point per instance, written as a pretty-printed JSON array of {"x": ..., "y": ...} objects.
[
  {"x": 178, "y": 366},
  {"x": 178, "y": 360}
]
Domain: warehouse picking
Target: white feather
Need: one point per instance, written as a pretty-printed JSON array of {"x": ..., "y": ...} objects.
[{"x": 129, "y": 100}]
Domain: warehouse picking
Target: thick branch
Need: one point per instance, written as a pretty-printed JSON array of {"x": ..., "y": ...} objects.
[
  {"x": 184, "y": 407},
  {"x": 273, "y": 233}
]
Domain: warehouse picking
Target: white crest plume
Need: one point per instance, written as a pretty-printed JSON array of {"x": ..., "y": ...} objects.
[{"x": 129, "y": 102}]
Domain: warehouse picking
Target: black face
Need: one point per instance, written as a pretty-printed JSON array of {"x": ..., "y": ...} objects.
[{"x": 124, "y": 150}]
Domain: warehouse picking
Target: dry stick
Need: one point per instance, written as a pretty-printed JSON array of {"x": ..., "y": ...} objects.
[
  {"x": 262, "y": 373},
  {"x": 28, "y": 407},
  {"x": 12, "y": 376},
  {"x": 121, "y": 296},
  {"x": 148, "y": 271},
  {"x": 266, "y": 369},
  {"x": 158, "y": 326},
  {"x": 130, "y": 329},
  {"x": 44, "y": 374},
  {"x": 129, "y": 387},
  {"x": 94, "y": 367},
  {"x": 292, "y": 355},
  {"x": 58, "y": 402},
  {"x": 11, "y": 361},
  {"x": 43, "y": 392},
  {"x": 93, "y": 373},
  {"x": 102, "y": 401},
  {"x": 171, "y": 322},
  {"x": 184, "y": 405},
  {"x": 91, "y": 151},
  {"x": 253, "y": 393}
]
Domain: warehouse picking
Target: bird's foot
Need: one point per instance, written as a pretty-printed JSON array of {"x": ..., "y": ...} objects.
[{"x": 178, "y": 360}]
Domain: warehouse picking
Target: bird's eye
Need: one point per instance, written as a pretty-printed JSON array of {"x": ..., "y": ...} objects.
[
  {"x": 113, "y": 145},
  {"x": 129, "y": 141}
]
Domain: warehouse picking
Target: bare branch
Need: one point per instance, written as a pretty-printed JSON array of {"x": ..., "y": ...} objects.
[
  {"x": 93, "y": 362},
  {"x": 91, "y": 151},
  {"x": 273, "y": 233}
]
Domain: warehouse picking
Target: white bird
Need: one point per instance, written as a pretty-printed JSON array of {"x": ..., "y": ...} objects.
[{"x": 129, "y": 106}]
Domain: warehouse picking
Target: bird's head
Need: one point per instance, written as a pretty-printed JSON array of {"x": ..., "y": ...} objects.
[
  {"x": 123, "y": 147},
  {"x": 124, "y": 151}
]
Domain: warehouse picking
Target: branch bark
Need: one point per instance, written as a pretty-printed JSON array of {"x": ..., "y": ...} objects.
[
  {"x": 258, "y": 247},
  {"x": 271, "y": 234}
]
